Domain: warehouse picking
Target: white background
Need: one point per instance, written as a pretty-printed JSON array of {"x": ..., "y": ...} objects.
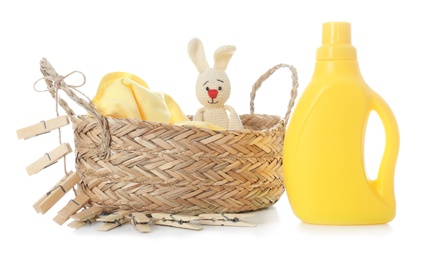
[{"x": 149, "y": 39}]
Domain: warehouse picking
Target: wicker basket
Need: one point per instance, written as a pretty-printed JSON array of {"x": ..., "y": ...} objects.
[{"x": 140, "y": 166}]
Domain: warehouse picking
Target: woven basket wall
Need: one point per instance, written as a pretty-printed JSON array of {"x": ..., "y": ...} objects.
[{"x": 128, "y": 164}]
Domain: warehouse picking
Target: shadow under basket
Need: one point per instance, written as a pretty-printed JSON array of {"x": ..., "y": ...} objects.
[{"x": 141, "y": 166}]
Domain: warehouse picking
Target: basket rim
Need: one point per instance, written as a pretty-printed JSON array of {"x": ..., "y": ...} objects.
[{"x": 280, "y": 123}]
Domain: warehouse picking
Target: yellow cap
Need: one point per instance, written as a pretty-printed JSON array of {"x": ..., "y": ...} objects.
[{"x": 336, "y": 42}]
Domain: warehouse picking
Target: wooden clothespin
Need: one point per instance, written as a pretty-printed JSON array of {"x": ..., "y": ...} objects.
[
  {"x": 87, "y": 213},
  {"x": 72, "y": 207},
  {"x": 225, "y": 220},
  {"x": 56, "y": 193},
  {"x": 42, "y": 127},
  {"x": 49, "y": 158},
  {"x": 113, "y": 220},
  {"x": 140, "y": 221},
  {"x": 179, "y": 221},
  {"x": 75, "y": 224},
  {"x": 86, "y": 216}
]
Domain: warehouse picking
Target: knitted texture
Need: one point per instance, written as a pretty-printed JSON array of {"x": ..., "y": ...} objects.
[{"x": 213, "y": 86}]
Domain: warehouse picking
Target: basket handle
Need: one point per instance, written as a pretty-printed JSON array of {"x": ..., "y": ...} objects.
[
  {"x": 265, "y": 76},
  {"x": 56, "y": 82}
]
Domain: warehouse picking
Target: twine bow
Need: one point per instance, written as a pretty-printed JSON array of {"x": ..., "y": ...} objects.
[{"x": 56, "y": 82}]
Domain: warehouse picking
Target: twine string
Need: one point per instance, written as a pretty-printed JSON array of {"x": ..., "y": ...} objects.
[
  {"x": 56, "y": 85},
  {"x": 53, "y": 88},
  {"x": 56, "y": 82}
]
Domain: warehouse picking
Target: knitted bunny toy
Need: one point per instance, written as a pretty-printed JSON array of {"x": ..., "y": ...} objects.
[{"x": 213, "y": 86}]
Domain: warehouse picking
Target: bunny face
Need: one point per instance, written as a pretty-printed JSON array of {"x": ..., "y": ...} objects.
[
  {"x": 212, "y": 85},
  {"x": 213, "y": 88}
]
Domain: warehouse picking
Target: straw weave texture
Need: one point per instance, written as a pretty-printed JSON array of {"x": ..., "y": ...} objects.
[
  {"x": 156, "y": 167},
  {"x": 141, "y": 166}
]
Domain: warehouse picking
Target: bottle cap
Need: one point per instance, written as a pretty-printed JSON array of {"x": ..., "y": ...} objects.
[{"x": 336, "y": 42}]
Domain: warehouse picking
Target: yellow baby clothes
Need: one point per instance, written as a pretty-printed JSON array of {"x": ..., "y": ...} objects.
[{"x": 124, "y": 95}]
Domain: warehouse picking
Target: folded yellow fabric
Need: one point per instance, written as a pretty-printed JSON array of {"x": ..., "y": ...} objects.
[{"x": 124, "y": 95}]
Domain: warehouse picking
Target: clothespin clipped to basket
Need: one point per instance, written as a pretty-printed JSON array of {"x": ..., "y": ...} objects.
[
  {"x": 225, "y": 220},
  {"x": 42, "y": 128},
  {"x": 71, "y": 208},
  {"x": 113, "y": 220},
  {"x": 86, "y": 216},
  {"x": 179, "y": 221},
  {"x": 140, "y": 221},
  {"x": 56, "y": 193}
]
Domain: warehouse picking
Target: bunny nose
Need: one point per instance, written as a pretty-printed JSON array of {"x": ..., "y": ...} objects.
[{"x": 213, "y": 93}]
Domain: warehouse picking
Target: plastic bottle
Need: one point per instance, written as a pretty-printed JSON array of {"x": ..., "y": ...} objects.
[{"x": 323, "y": 154}]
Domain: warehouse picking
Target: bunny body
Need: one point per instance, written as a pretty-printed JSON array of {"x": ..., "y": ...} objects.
[{"x": 213, "y": 87}]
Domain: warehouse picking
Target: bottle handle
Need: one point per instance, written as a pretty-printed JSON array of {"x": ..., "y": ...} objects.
[{"x": 384, "y": 183}]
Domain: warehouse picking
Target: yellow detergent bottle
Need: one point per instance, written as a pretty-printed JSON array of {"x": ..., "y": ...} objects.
[{"x": 323, "y": 154}]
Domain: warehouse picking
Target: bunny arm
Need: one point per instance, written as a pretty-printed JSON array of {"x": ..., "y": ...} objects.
[
  {"x": 235, "y": 122},
  {"x": 199, "y": 114}
]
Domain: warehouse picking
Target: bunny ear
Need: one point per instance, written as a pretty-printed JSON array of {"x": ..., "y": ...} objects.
[
  {"x": 197, "y": 54},
  {"x": 222, "y": 56}
]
